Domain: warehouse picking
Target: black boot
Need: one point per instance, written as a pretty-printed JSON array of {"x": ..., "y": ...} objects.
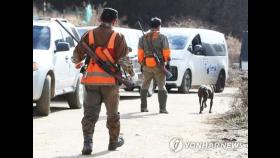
[
  {"x": 115, "y": 145},
  {"x": 162, "y": 97},
  {"x": 113, "y": 124},
  {"x": 143, "y": 94},
  {"x": 87, "y": 149}
]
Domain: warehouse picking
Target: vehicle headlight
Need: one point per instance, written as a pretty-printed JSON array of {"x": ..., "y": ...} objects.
[{"x": 35, "y": 66}]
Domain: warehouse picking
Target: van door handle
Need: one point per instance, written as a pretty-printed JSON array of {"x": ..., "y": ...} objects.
[{"x": 66, "y": 58}]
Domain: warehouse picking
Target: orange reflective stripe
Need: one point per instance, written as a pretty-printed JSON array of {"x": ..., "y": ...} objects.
[
  {"x": 99, "y": 80},
  {"x": 140, "y": 55},
  {"x": 111, "y": 43},
  {"x": 100, "y": 54},
  {"x": 108, "y": 55},
  {"x": 151, "y": 61},
  {"x": 90, "y": 37},
  {"x": 166, "y": 54}
]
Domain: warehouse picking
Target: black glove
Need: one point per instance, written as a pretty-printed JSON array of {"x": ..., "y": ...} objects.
[{"x": 167, "y": 65}]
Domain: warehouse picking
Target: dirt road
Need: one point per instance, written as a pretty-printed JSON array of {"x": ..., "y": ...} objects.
[{"x": 183, "y": 133}]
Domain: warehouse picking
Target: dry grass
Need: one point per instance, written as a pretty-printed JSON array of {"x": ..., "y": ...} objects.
[
  {"x": 76, "y": 18},
  {"x": 234, "y": 48},
  {"x": 238, "y": 116}
]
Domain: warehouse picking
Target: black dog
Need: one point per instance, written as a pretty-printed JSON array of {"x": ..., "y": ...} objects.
[{"x": 205, "y": 92}]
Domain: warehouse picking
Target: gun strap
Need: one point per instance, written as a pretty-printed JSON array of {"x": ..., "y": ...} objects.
[{"x": 153, "y": 48}]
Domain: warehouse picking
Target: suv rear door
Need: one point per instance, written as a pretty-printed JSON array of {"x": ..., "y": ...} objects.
[{"x": 69, "y": 71}]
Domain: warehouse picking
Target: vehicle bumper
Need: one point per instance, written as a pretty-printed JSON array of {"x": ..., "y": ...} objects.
[{"x": 37, "y": 86}]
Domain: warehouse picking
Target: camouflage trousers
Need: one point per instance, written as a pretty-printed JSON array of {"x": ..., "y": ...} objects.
[
  {"x": 93, "y": 98},
  {"x": 153, "y": 73}
]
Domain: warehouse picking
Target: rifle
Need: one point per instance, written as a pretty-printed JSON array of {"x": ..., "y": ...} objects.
[
  {"x": 159, "y": 62},
  {"x": 100, "y": 62}
]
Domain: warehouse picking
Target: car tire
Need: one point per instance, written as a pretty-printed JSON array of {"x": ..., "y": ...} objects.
[
  {"x": 220, "y": 85},
  {"x": 43, "y": 104},
  {"x": 75, "y": 99},
  {"x": 151, "y": 89},
  {"x": 186, "y": 83}
]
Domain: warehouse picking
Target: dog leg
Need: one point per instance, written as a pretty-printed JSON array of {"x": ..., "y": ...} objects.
[
  {"x": 204, "y": 101},
  {"x": 211, "y": 103},
  {"x": 200, "y": 105}
]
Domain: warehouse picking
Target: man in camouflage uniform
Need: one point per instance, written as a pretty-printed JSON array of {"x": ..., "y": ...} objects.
[
  {"x": 97, "y": 93},
  {"x": 153, "y": 39}
]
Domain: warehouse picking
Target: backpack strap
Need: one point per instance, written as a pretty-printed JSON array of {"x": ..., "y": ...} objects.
[
  {"x": 111, "y": 45},
  {"x": 111, "y": 42},
  {"x": 90, "y": 38}
]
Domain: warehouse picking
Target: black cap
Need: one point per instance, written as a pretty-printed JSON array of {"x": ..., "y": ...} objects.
[
  {"x": 109, "y": 14},
  {"x": 155, "y": 22}
]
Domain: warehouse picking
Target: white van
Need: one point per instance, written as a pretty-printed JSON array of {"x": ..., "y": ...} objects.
[
  {"x": 198, "y": 56},
  {"x": 132, "y": 37}
]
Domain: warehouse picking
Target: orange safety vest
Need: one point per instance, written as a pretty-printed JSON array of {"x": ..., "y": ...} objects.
[
  {"x": 148, "y": 59},
  {"x": 95, "y": 75}
]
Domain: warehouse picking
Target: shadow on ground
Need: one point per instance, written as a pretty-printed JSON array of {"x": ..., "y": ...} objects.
[
  {"x": 101, "y": 153},
  {"x": 192, "y": 91}
]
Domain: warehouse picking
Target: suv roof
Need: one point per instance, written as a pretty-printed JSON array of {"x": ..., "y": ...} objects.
[{"x": 49, "y": 18}]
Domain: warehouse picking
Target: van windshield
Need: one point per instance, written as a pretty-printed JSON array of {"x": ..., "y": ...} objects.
[
  {"x": 177, "y": 41},
  {"x": 41, "y": 37},
  {"x": 81, "y": 31}
]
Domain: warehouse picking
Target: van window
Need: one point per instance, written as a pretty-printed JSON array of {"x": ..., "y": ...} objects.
[
  {"x": 177, "y": 41},
  {"x": 134, "y": 38},
  {"x": 214, "y": 49},
  {"x": 81, "y": 31}
]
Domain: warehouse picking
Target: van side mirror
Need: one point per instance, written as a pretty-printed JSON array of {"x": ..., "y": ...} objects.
[{"x": 62, "y": 46}]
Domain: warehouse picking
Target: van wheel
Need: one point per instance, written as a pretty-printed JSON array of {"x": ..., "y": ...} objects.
[
  {"x": 43, "y": 104},
  {"x": 220, "y": 85},
  {"x": 75, "y": 99},
  {"x": 186, "y": 83},
  {"x": 151, "y": 89}
]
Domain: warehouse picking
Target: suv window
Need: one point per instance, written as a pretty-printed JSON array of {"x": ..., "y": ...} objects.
[
  {"x": 67, "y": 37},
  {"x": 70, "y": 41},
  {"x": 75, "y": 33},
  {"x": 41, "y": 37}
]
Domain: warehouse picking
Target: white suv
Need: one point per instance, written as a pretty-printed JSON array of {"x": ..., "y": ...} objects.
[{"x": 53, "y": 72}]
